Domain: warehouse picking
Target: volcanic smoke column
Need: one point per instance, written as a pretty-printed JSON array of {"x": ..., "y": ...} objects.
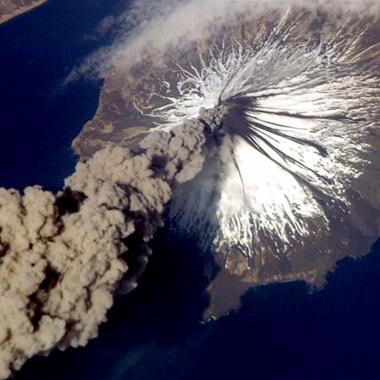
[{"x": 64, "y": 256}]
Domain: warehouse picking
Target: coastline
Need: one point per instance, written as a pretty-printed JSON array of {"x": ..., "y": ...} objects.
[{"x": 19, "y": 11}]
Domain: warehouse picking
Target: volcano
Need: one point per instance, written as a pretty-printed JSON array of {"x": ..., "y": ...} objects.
[{"x": 289, "y": 186}]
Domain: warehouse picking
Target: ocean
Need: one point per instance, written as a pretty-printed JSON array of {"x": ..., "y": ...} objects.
[
  {"x": 282, "y": 331},
  {"x": 40, "y": 116}
]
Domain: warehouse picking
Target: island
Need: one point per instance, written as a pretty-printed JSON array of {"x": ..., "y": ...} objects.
[
  {"x": 12, "y": 8},
  {"x": 165, "y": 87}
]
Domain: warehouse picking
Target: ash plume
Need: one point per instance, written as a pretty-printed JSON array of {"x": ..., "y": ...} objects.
[{"x": 64, "y": 256}]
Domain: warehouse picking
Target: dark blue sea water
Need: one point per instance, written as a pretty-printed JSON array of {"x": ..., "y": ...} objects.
[
  {"x": 281, "y": 332},
  {"x": 39, "y": 115}
]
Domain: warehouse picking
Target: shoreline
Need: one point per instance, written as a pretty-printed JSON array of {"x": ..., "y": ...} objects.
[{"x": 20, "y": 11}]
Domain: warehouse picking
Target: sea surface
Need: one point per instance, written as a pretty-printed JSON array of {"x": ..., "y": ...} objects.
[{"x": 282, "y": 331}]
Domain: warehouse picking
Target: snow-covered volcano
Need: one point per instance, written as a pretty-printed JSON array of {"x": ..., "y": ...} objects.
[{"x": 290, "y": 184}]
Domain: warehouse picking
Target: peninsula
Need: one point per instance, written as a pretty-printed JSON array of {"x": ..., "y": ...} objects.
[{"x": 12, "y": 8}]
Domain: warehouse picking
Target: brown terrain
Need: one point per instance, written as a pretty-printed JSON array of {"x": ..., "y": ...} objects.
[{"x": 12, "y": 8}]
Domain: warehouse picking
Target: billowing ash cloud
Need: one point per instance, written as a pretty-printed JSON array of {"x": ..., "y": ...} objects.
[{"x": 63, "y": 256}]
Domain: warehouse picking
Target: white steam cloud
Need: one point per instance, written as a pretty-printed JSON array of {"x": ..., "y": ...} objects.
[{"x": 152, "y": 28}]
